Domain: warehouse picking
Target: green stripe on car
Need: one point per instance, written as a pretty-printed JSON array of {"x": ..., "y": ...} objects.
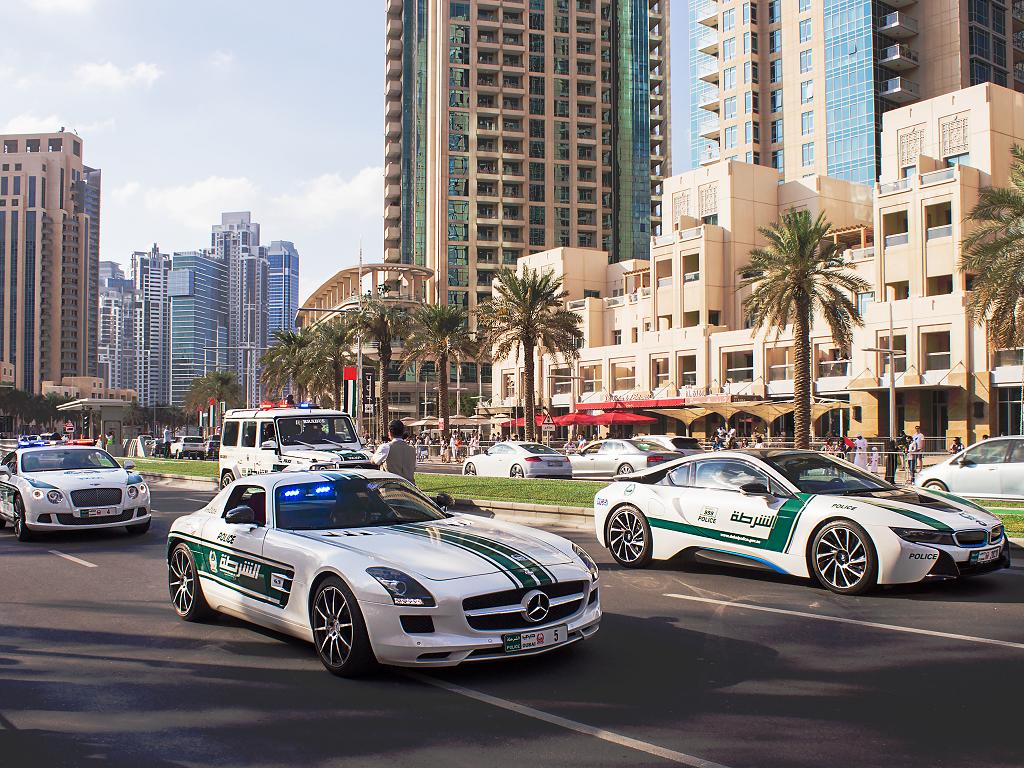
[{"x": 938, "y": 525}]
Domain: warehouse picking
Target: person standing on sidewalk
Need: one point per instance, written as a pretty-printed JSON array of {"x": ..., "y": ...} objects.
[
  {"x": 397, "y": 456},
  {"x": 915, "y": 453}
]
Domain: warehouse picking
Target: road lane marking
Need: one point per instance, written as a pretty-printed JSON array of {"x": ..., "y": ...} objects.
[
  {"x": 680, "y": 758},
  {"x": 73, "y": 559},
  {"x": 858, "y": 622}
]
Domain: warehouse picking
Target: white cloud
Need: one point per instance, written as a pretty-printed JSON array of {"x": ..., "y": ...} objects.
[
  {"x": 323, "y": 199},
  {"x": 198, "y": 205},
  {"x": 66, "y": 6},
  {"x": 222, "y": 60},
  {"x": 126, "y": 191},
  {"x": 112, "y": 77},
  {"x": 27, "y": 122}
]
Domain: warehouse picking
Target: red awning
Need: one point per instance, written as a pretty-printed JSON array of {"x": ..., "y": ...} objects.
[
  {"x": 575, "y": 418},
  {"x": 623, "y": 417},
  {"x": 521, "y": 422}
]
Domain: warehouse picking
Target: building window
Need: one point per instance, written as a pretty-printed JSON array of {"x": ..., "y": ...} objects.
[
  {"x": 963, "y": 159},
  {"x": 749, "y": 13},
  {"x": 775, "y": 71},
  {"x": 806, "y": 123},
  {"x": 774, "y": 11},
  {"x": 616, "y": 337},
  {"x": 806, "y": 60},
  {"x": 728, "y": 78},
  {"x": 776, "y": 100},
  {"x": 750, "y": 72},
  {"x": 750, "y": 42},
  {"x": 864, "y": 298},
  {"x": 804, "y": 6},
  {"x": 730, "y": 137},
  {"x": 729, "y": 108},
  {"x": 729, "y": 49},
  {"x": 807, "y": 154},
  {"x": 775, "y": 41},
  {"x": 776, "y": 131},
  {"x": 806, "y": 91},
  {"x": 778, "y": 159},
  {"x": 728, "y": 20},
  {"x": 805, "y": 30}
]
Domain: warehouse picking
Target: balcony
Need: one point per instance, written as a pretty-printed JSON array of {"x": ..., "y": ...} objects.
[
  {"x": 710, "y": 129},
  {"x": 861, "y": 254},
  {"x": 937, "y": 177},
  {"x": 901, "y": 238},
  {"x": 782, "y": 372},
  {"x": 937, "y": 361},
  {"x": 691, "y": 277},
  {"x": 394, "y": 28},
  {"x": 709, "y": 156},
  {"x": 691, "y": 234},
  {"x": 898, "y": 57},
  {"x": 829, "y": 369},
  {"x": 898, "y": 26},
  {"x": 708, "y": 15},
  {"x": 900, "y": 90},
  {"x": 1018, "y": 11},
  {"x": 708, "y": 71},
  {"x": 709, "y": 101},
  {"x": 665, "y": 282},
  {"x": 893, "y": 187},
  {"x": 939, "y": 233},
  {"x": 707, "y": 44}
]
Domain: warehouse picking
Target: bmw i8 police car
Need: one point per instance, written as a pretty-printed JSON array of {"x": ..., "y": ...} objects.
[
  {"x": 70, "y": 487},
  {"x": 800, "y": 513},
  {"x": 369, "y": 569}
]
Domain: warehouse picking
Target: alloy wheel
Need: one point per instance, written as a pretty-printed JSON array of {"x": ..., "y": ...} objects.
[
  {"x": 841, "y": 558},
  {"x": 332, "y": 626},
  {"x": 626, "y": 537},
  {"x": 470, "y": 469},
  {"x": 181, "y": 581}
]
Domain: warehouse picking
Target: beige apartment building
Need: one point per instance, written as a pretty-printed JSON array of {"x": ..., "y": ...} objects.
[
  {"x": 802, "y": 85},
  {"x": 515, "y": 126},
  {"x": 49, "y": 264},
  {"x": 669, "y": 337},
  {"x": 76, "y": 387}
]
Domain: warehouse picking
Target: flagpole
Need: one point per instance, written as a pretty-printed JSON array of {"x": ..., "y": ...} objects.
[{"x": 359, "y": 348}]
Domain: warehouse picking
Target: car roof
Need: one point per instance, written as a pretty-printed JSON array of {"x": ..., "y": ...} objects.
[
  {"x": 59, "y": 447},
  {"x": 271, "y": 480},
  {"x": 253, "y": 413}
]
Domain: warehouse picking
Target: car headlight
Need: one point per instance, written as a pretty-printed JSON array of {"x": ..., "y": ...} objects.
[
  {"x": 37, "y": 494},
  {"x": 55, "y": 497},
  {"x": 133, "y": 491},
  {"x": 402, "y": 587},
  {"x": 588, "y": 561},
  {"x": 917, "y": 536}
]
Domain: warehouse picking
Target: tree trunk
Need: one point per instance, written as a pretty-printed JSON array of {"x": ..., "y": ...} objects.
[
  {"x": 383, "y": 365},
  {"x": 444, "y": 410},
  {"x": 802, "y": 376},
  {"x": 338, "y": 373},
  {"x": 528, "y": 395}
]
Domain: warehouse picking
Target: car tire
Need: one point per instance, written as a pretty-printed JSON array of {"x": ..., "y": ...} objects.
[
  {"x": 226, "y": 479},
  {"x": 469, "y": 469},
  {"x": 3, "y": 522},
  {"x": 21, "y": 529},
  {"x": 337, "y": 622},
  {"x": 843, "y": 559},
  {"x": 625, "y": 469},
  {"x": 186, "y": 592},
  {"x": 516, "y": 471},
  {"x": 139, "y": 528},
  {"x": 935, "y": 485},
  {"x": 628, "y": 536}
]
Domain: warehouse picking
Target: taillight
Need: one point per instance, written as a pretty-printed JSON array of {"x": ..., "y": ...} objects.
[
  {"x": 534, "y": 458},
  {"x": 655, "y": 459}
]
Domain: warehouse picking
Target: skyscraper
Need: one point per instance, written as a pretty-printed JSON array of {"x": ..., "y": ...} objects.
[
  {"x": 198, "y": 289},
  {"x": 150, "y": 272},
  {"x": 116, "y": 322},
  {"x": 48, "y": 258},
  {"x": 283, "y": 265},
  {"x": 801, "y": 85},
  {"x": 91, "y": 188},
  {"x": 236, "y": 240},
  {"x": 514, "y": 127}
]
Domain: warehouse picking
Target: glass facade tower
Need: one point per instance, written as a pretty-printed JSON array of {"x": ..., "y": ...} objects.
[{"x": 198, "y": 288}]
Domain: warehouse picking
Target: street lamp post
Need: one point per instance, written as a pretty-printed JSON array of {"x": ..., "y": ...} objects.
[{"x": 890, "y": 354}]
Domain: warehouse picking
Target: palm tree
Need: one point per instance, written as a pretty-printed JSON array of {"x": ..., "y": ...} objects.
[
  {"x": 797, "y": 274},
  {"x": 440, "y": 333},
  {"x": 221, "y": 386},
  {"x": 528, "y": 311},
  {"x": 287, "y": 362},
  {"x": 380, "y": 323},
  {"x": 328, "y": 354},
  {"x": 994, "y": 253}
]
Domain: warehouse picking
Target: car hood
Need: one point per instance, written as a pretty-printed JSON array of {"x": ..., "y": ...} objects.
[
  {"x": 73, "y": 479},
  {"x": 449, "y": 549},
  {"x": 929, "y": 509}
]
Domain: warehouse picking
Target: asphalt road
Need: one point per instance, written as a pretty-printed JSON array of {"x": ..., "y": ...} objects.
[{"x": 694, "y": 665}]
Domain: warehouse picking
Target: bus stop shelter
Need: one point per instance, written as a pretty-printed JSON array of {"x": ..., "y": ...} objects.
[{"x": 96, "y": 416}]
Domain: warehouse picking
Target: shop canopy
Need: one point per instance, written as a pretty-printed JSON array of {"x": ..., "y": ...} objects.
[
  {"x": 576, "y": 418},
  {"x": 766, "y": 410},
  {"x": 611, "y": 418}
]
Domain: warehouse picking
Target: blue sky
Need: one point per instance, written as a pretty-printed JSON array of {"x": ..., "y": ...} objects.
[{"x": 193, "y": 107}]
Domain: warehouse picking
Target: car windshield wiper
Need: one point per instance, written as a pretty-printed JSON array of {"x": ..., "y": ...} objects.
[{"x": 861, "y": 491}]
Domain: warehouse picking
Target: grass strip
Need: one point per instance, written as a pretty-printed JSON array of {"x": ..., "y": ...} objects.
[{"x": 560, "y": 493}]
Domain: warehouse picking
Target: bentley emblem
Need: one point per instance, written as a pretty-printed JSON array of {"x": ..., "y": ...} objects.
[{"x": 536, "y": 606}]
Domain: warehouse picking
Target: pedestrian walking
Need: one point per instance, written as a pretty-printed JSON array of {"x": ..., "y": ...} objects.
[
  {"x": 860, "y": 452},
  {"x": 397, "y": 456},
  {"x": 915, "y": 453},
  {"x": 874, "y": 460}
]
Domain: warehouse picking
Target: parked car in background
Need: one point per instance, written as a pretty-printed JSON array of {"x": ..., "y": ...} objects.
[
  {"x": 188, "y": 447},
  {"x": 518, "y": 459},
  {"x": 684, "y": 446},
  {"x": 991, "y": 469},
  {"x": 608, "y": 458},
  {"x": 213, "y": 447}
]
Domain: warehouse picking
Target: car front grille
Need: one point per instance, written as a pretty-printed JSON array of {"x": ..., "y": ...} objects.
[
  {"x": 970, "y": 538},
  {"x": 67, "y": 519},
  {"x": 995, "y": 535},
  {"x": 96, "y": 497},
  {"x": 499, "y": 611}
]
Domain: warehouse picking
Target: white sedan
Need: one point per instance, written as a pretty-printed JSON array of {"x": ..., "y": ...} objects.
[
  {"x": 368, "y": 569},
  {"x": 62, "y": 488},
  {"x": 518, "y": 459},
  {"x": 800, "y": 513},
  {"x": 990, "y": 469}
]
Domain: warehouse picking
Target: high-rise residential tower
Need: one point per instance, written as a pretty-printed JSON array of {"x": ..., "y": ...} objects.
[
  {"x": 283, "y": 268},
  {"x": 236, "y": 240},
  {"x": 116, "y": 323},
  {"x": 513, "y": 126},
  {"x": 48, "y": 258},
  {"x": 150, "y": 272},
  {"x": 801, "y": 85},
  {"x": 198, "y": 288}
]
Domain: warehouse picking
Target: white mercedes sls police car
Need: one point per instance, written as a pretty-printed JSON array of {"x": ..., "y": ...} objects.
[
  {"x": 70, "y": 487},
  {"x": 369, "y": 569},
  {"x": 800, "y": 513}
]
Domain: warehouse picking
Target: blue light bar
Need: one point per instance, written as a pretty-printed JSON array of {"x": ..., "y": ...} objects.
[
  {"x": 305, "y": 405},
  {"x": 321, "y": 489},
  {"x": 292, "y": 492}
]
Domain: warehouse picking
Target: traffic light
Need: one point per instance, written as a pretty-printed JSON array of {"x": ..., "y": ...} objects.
[{"x": 85, "y": 424}]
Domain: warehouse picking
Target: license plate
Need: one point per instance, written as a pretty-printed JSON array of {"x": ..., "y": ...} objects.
[
  {"x": 527, "y": 641},
  {"x": 555, "y": 464},
  {"x": 985, "y": 555},
  {"x": 97, "y": 512}
]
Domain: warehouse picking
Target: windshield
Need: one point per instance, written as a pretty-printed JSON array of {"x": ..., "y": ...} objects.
[
  {"x": 351, "y": 503},
  {"x": 537, "y": 448},
  {"x": 645, "y": 447},
  {"x": 55, "y": 461},
  {"x": 818, "y": 473},
  {"x": 315, "y": 430}
]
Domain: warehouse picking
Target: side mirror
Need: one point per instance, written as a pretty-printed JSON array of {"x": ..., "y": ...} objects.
[
  {"x": 242, "y": 515},
  {"x": 444, "y": 500},
  {"x": 128, "y": 465},
  {"x": 963, "y": 461},
  {"x": 269, "y": 445},
  {"x": 5, "y": 473},
  {"x": 755, "y": 489}
]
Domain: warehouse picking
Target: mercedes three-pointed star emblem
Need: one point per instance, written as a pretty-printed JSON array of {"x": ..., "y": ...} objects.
[{"x": 536, "y": 606}]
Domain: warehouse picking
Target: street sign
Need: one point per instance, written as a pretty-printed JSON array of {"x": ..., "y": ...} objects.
[
  {"x": 440, "y": 424},
  {"x": 69, "y": 427},
  {"x": 548, "y": 422},
  {"x": 547, "y": 428},
  {"x": 368, "y": 408}
]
